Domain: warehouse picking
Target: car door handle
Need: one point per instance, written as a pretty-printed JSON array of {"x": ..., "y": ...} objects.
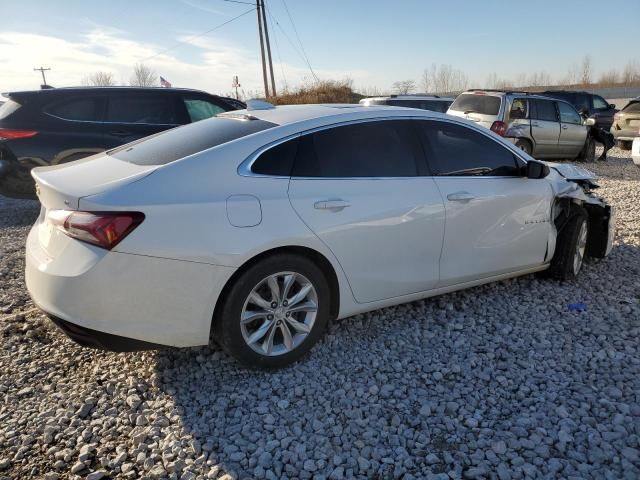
[
  {"x": 564, "y": 127},
  {"x": 336, "y": 205},
  {"x": 120, "y": 133},
  {"x": 535, "y": 124},
  {"x": 460, "y": 197}
]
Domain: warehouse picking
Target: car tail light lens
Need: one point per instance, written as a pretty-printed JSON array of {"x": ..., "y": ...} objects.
[
  {"x": 499, "y": 127},
  {"x": 10, "y": 133},
  {"x": 104, "y": 229},
  {"x": 616, "y": 116}
]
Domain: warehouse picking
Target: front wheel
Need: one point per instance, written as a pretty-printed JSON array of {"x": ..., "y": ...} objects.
[
  {"x": 274, "y": 312},
  {"x": 571, "y": 246},
  {"x": 588, "y": 153}
]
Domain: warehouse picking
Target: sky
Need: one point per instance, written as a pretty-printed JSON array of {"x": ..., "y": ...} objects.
[{"x": 372, "y": 42}]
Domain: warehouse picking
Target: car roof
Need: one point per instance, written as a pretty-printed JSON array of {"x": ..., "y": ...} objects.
[
  {"x": 62, "y": 90},
  {"x": 327, "y": 113}
]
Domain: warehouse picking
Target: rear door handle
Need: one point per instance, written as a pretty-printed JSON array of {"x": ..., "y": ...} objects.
[
  {"x": 535, "y": 124},
  {"x": 336, "y": 205},
  {"x": 460, "y": 197},
  {"x": 564, "y": 127}
]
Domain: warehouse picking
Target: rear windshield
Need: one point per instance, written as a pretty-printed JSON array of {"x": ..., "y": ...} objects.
[
  {"x": 633, "y": 107},
  {"x": 8, "y": 108},
  {"x": 475, "y": 103},
  {"x": 171, "y": 145}
]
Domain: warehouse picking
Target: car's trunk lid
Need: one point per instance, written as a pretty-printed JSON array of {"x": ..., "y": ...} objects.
[{"x": 62, "y": 186}]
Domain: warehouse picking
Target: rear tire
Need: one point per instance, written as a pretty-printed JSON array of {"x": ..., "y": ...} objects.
[
  {"x": 570, "y": 246},
  {"x": 525, "y": 146},
  {"x": 276, "y": 331},
  {"x": 588, "y": 153}
]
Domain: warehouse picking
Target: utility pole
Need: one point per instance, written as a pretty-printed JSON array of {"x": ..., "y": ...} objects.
[
  {"x": 266, "y": 38},
  {"x": 42, "y": 70},
  {"x": 264, "y": 65}
]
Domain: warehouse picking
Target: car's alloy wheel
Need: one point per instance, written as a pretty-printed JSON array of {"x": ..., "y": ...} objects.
[
  {"x": 581, "y": 246},
  {"x": 279, "y": 313},
  {"x": 274, "y": 311}
]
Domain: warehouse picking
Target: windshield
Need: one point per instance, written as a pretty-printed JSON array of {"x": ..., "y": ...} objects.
[
  {"x": 476, "y": 103},
  {"x": 171, "y": 145}
]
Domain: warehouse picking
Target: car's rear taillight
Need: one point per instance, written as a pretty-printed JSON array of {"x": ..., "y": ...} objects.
[
  {"x": 104, "y": 229},
  {"x": 499, "y": 127},
  {"x": 616, "y": 116},
  {"x": 11, "y": 133}
]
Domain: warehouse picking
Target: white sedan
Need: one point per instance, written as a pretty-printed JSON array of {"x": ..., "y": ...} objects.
[
  {"x": 257, "y": 227},
  {"x": 635, "y": 150}
]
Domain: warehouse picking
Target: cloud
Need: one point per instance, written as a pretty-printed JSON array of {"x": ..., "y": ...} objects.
[{"x": 214, "y": 63}]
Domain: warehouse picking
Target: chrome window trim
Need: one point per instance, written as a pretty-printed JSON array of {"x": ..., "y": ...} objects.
[{"x": 244, "y": 169}]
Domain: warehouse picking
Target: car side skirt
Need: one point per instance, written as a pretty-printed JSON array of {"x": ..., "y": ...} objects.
[{"x": 362, "y": 308}]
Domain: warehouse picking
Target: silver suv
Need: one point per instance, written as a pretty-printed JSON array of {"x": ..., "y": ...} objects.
[
  {"x": 543, "y": 127},
  {"x": 423, "y": 102}
]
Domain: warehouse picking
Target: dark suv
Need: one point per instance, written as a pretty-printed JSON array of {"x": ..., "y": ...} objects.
[
  {"x": 48, "y": 127},
  {"x": 588, "y": 104}
]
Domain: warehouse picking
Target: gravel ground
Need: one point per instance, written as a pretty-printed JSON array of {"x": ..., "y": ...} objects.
[{"x": 500, "y": 381}]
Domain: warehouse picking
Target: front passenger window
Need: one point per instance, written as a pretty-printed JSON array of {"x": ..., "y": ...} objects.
[
  {"x": 459, "y": 150},
  {"x": 568, "y": 114}
]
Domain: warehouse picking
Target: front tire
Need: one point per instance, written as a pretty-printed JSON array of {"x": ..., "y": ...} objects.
[
  {"x": 588, "y": 153},
  {"x": 274, "y": 312},
  {"x": 571, "y": 246}
]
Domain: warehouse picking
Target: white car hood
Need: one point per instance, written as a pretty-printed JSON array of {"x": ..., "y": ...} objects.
[{"x": 572, "y": 172}]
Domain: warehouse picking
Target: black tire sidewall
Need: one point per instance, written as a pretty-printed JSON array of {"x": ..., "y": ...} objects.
[
  {"x": 562, "y": 262},
  {"x": 228, "y": 331}
]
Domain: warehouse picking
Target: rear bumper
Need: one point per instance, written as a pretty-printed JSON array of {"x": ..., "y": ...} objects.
[
  {"x": 101, "y": 340},
  {"x": 101, "y": 295}
]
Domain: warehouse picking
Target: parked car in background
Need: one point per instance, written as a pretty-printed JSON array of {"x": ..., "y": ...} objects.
[
  {"x": 588, "y": 104},
  {"x": 543, "y": 127},
  {"x": 433, "y": 103},
  {"x": 635, "y": 150},
  {"x": 301, "y": 214},
  {"x": 626, "y": 124},
  {"x": 59, "y": 125}
]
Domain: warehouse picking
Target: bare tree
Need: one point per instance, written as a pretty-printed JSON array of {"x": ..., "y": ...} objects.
[
  {"x": 444, "y": 79},
  {"x": 143, "y": 76},
  {"x": 538, "y": 79},
  {"x": 585, "y": 70},
  {"x": 631, "y": 73},
  {"x": 100, "y": 79},
  {"x": 404, "y": 87},
  {"x": 609, "y": 78}
]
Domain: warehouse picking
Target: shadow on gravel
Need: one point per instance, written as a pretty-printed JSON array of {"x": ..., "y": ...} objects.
[
  {"x": 449, "y": 383},
  {"x": 18, "y": 213}
]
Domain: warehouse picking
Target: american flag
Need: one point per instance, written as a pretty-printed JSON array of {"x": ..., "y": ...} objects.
[{"x": 165, "y": 83}]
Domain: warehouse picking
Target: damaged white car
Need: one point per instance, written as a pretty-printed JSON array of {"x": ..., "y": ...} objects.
[{"x": 255, "y": 228}]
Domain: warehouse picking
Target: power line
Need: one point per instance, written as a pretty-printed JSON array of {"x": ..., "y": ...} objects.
[
  {"x": 275, "y": 39},
  {"x": 306, "y": 57},
  {"x": 294, "y": 46},
  {"x": 201, "y": 34}
]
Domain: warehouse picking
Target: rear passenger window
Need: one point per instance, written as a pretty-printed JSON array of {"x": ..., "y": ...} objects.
[
  {"x": 150, "y": 109},
  {"x": 80, "y": 109},
  {"x": 201, "y": 109},
  {"x": 545, "y": 110},
  {"x": 454, "y": 149},
  {"x": 374, "y": 149},
  {"x": 278, "y": 160}
]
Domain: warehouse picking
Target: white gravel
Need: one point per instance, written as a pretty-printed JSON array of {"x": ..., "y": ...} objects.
[{"x": 500, "y": 381}]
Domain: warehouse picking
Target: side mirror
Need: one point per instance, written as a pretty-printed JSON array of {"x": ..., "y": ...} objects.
[
  {"x": 535, "y": 169},
  {"x": 612, "y": 105},
  {"x": 590, "y": 122},
  {"x": 584, "y": 111}
]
